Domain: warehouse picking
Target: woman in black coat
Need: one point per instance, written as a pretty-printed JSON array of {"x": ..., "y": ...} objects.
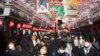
[
  {"x": 30, "y": 47},
  {"x": 61, "y": 50}
]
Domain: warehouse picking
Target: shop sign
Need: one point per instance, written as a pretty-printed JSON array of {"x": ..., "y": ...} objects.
[
  {"x": 7, "y": 11},
  {"x": 42, "y": 6}
]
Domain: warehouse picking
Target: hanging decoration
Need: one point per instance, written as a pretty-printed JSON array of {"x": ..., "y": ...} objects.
[
  {"x": 18, "y": 26},
  {"x": 11, "y": 24},
  {"x": 57, "y": 11},
  {"x": 39, "y": 29},
  {"x": 1, "y": 22},
  {"x": 26, "y": 26},
  {"x": 72, "y": 3},
  {"x": 35, "y": 29},
  {"x": 42, "y": 6}
]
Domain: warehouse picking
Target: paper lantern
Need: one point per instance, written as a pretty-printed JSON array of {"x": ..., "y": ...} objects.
[
  {"x": 18, "y": 25},
  {"x": 11, "y": 24},
  {"x": 1, "y": 22}
]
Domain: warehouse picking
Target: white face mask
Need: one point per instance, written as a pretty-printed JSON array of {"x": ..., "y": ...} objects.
[
  {"x": 87, "y": 44},
  {"x": 45, "y": 37},
  {"x": 81, "y": 37},
  {"x": 34, "y": 42},
  {"x": 52, "y": 38},
  {"x": 61, "y": 51},
  {"x": 38, "y": 41},
  {"x": 59, "y": 37}
]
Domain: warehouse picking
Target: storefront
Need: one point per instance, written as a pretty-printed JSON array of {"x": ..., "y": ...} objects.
[{"x": 11, "y": 20}]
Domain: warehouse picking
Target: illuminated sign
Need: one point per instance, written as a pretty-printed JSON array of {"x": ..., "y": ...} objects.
[{"x": 42, "y": 6}]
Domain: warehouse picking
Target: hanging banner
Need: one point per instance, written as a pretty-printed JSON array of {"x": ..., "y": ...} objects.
[
  {"x": 57, "y": 10},
  {"x": 42, "y": 6},
  {"x": 7, "y": 11}
]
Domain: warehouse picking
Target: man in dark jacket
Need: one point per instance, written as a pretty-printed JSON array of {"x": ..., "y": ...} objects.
[
  {"x": 88, "y": 49},
  {"x": 61, "y": 50}
]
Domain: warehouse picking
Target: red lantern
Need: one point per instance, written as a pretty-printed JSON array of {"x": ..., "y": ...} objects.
[
  {"x": 18, "y": 25},
  {"x": 34, "y": 29},
  {"x": 1, "y": 22},
  {"x": 37, "y": 29},
  {"x": 44, "y": 30},
  {"x": 24, "y": 26},
  {"x": 11, "y": 24},
  {"x": 29, "y": 26}
]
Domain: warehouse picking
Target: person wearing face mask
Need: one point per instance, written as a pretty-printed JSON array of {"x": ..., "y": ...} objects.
[
  {"x": 11, "y": 49},
  {"x": 34, "y": 46},
  {"x": 61, "y": 50},
  {"x": 88, "y": 49},
  {"x": 53, "y": 44},
  {"x": 81, "y": 42}
]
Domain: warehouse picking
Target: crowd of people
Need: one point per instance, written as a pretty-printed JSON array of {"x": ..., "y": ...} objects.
[{"x": 54, "y": 44}]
